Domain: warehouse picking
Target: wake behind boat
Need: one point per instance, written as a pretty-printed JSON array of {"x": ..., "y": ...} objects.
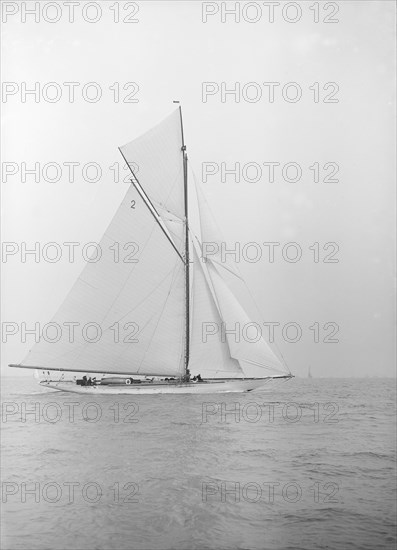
[{"x": 155, "y": 313}]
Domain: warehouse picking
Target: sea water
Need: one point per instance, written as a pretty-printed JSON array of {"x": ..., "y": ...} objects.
[{"x": 307, "y": 465}]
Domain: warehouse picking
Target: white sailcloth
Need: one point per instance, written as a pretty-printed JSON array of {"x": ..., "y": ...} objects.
[
  {"x": 128, "y": 315},
  {"x": 157, "y": 153},
  {"x": 209, "y": 357},
  {"x": 244, "y": 337}
]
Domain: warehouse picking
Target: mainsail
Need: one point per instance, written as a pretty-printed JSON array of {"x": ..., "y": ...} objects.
[
  {"x": 138, "y": 299},
  {"x": 139, "y": 311}
]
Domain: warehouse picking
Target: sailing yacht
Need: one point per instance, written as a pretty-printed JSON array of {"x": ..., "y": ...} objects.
[{"x": 157, "y": 317}]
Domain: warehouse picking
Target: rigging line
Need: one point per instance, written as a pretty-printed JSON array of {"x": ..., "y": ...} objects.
[
  {"x": 150, "y": 206},
  {"x": 167, "y": 214},
  {"x": 209, "y": 282},
  {"x": 260, "y": 366},
  {"x": 200, "y": 194},
  {"x": 172, "y": 220},
  {"x": 236, "y": 272},
  {"x": 199, "y": 191},
  {"x": 200, "y": 244}
]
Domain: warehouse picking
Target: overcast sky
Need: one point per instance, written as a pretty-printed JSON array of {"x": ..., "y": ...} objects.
[{"x": 169, "y": 53}]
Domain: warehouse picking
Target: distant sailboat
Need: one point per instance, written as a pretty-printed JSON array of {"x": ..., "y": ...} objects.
[
  {"x": 309, "y": 373},
  {"x": 149, "y": 311}
]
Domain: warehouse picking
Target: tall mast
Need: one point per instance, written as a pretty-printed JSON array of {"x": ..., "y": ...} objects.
[{"x": 187, "y": 260}]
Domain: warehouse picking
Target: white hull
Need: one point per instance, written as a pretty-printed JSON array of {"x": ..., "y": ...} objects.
[{"x": 221, "y": 386}]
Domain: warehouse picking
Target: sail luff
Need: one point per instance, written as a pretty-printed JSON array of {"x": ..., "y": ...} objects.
[{"x": 187, "y": 258}]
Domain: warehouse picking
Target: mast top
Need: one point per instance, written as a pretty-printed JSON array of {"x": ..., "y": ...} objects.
[{"x": 183, "y": 148}]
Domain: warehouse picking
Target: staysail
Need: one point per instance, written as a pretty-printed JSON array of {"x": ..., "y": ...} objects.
[
  {"x": 209, "y": 357},
  {"x": 245, "y": 341}
]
